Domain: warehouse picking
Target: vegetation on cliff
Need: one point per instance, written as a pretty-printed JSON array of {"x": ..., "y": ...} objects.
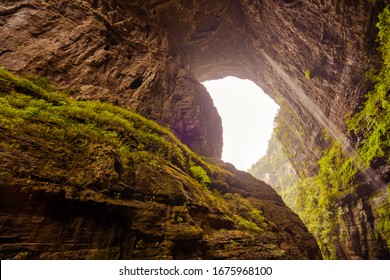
[
  {"x": 275, "y": 169},
  {"x": 93, "y": 151},
  {"x": 342, "y": 169},
  {"x": 70, "y": 130}
]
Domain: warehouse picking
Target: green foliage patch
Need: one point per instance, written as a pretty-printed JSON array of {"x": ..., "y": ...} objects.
[
  {"x": 90, "y": 145},
  {"x": 316, "y": 198},
  {"x": 308, "y": 74},
  {"x": 29, "y": 109},
  {"x": 200, "y": 175}
]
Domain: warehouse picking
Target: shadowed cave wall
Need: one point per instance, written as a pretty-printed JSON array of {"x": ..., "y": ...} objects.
[{"x": 151, "y": 56}]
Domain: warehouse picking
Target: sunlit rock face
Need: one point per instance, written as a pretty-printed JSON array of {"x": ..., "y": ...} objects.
[
  {"x": 150, "y": 56},
  {"x": 113, "y": 51}
]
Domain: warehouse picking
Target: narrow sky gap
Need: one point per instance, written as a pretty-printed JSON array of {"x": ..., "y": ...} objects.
[{"x": 247, "y": 118}]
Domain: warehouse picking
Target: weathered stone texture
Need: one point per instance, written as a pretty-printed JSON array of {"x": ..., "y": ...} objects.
[{"x": 150, "y": 55}]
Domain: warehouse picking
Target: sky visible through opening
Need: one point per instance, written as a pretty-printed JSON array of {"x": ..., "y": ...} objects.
[{"x": 247, "y": 118}]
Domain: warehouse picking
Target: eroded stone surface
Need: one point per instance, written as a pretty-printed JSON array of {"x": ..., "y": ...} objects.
[{"x": 150, "y": 55}]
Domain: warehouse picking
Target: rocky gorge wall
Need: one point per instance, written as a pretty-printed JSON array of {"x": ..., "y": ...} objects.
[
  {"x": 90, "y": 180},
  {"x": 149, "y": 56}
]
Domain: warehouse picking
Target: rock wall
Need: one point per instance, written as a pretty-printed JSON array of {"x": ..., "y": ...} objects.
[
  {"x": 86, "y": 180},
  {"x": 111, "y": 51},
  {"x": 275, "y": 169},
  {"x": 150, "y": 55},
  {"x": 51, "y": 221}
]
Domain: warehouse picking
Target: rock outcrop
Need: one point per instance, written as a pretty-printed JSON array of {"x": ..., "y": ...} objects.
[
  {"x": 111, "y": 51},
  {"x": 86, "y": 180},
  {"x": 149, "y": 56},
  {"x": 275, "y": 169}
]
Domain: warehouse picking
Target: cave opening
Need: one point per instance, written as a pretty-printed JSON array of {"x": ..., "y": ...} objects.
[{"x": 247, "y": 115}]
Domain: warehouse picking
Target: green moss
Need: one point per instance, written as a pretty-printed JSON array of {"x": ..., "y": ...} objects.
[
  {"x": 5, "y": 175},
  {"x": 70, "y": 127},
  {"x": 41, "y": 82},
  {"x": 200, "y": 175},
  {"x": 372, "y": 122},
  {"x": 244, "y": 214},
  {"x": 316, "y": 205},
  {"x": 90, "y": 145},
  {"x": 317, "y": 197}
]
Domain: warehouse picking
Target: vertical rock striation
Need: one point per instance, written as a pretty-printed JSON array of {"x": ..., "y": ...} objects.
[{"x": 149, "y": 56}]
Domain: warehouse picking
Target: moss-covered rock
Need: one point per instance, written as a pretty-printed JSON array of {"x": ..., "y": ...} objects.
[
  {"x": 85, "y": 179},
  {"x": 344, "y": 200}
]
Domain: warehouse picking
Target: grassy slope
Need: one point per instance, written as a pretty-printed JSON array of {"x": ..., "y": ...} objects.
[{"x": 49, "y": 141}]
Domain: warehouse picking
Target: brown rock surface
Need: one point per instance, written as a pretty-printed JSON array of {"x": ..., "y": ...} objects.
[
  {"x": 111, "y": 51},
  {"x": 149, "y": 56},
  {"x": 41, "y": 223},
  {"x": 85, "y": 180},
  {"x": 141, "y": 55}
]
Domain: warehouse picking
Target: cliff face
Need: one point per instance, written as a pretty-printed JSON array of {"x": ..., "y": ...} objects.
[
  {"x": 276, "y": 170},
  {"x": 88, "y": 180},
  {"x": 111, "y": 51},
  {"x": 150, "y": 56}
]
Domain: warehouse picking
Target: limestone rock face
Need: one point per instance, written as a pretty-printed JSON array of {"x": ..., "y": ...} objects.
[
  {"x": 46, "y": 223},
  {"x": 149, "y": 56},
  {"x": 112, "y": 51},
  {"x": 144, "y": 55},
  {"x": 86, "y": 180},
  {"x": 275, "y": 169}
]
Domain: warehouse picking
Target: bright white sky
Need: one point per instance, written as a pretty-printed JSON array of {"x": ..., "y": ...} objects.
[{"x": 247, "y": 118}]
